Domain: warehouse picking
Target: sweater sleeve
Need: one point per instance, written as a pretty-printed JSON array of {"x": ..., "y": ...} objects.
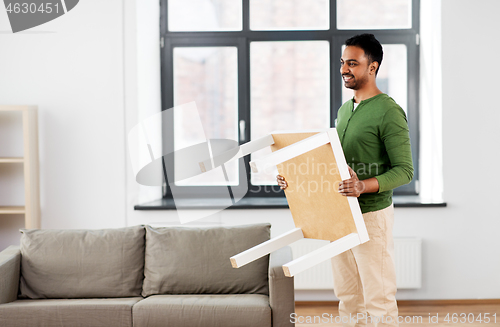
[{"x": 395, "y": 134}]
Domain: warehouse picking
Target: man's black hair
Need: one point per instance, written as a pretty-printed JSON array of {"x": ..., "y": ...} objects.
[{"x": 370, "y": 45}]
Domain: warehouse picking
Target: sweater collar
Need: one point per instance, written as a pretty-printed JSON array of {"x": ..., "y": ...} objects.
[{"x": 369, "y": 99}]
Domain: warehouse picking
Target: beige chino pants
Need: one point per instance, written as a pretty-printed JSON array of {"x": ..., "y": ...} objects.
[{"x": 364, "y": 278}]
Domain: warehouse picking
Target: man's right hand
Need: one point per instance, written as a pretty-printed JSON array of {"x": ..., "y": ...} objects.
[{"x": 281, "y": 182}]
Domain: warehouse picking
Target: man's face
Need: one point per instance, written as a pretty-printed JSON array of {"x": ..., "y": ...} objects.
[{"x": 354, "y": 67}]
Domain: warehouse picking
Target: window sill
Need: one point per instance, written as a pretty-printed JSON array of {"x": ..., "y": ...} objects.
[{"x": 401, "y": 201}]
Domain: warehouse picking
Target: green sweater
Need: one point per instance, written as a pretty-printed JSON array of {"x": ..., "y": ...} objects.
[{"x": 376, "y": 143}]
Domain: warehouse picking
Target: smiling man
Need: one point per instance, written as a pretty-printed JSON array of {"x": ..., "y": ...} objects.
[{"x": 373, "y": 131}]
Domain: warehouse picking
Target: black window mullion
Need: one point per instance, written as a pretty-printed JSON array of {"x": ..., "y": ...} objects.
[
  {"x": 244, "y": 100},
  {"x": 415, "y": 16},
  {"x": 163, "y": 17},
  {"x": 338, "y": 42},
  {"x": 246, "y": 15},
  {"x": 167, "y": 101},
  {"x": 334, "y": 64},
  {"x": 333, "y": 16}
]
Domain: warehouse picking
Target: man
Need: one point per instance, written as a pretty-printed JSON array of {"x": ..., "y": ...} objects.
[{"x": 373, "y": 131}]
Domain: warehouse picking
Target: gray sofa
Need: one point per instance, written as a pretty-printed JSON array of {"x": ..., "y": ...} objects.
[{"x": 143, "y": 276}]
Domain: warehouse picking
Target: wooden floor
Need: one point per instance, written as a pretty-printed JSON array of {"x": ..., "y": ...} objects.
[{"x": 470, "y": 313}]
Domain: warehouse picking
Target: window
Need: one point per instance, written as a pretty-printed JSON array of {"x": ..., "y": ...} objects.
[{"x": 254, "y": 66}]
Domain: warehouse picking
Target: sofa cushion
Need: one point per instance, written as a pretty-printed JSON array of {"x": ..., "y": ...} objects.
[
  {"x": 233, "y": 310},
  {"x": 184, "y": 260},
  {"x": 72, "y": 312},
  {"x": 82, "y": 263}
]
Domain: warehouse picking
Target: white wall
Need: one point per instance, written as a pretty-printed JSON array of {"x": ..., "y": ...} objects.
[
  {"x": 72, "y": 68},
  {"x": 85, "y": 77},
  {"x": 468, "y": 241}
]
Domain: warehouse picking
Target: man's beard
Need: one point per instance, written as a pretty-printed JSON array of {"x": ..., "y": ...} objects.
[{"x": 354, "y": 84}]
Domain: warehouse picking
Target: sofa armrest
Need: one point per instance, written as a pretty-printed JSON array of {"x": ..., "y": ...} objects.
[
  {"x": 281, "y": 289},
  {"x": 10, "y": 264}
]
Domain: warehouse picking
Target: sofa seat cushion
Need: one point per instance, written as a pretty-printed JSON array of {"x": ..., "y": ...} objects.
[
  {"x": 195, "y": 260},
  {"x": 68, "y": 313},
  {"x": 65, "y": 264},
  {"x": 206, "y": 310}
]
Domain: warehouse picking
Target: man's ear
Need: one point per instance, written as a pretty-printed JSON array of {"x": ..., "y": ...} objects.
[{"x": 373, "y": 67}]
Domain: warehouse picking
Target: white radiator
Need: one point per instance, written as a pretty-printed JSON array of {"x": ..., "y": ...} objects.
[{"x": 408, "y": 260}]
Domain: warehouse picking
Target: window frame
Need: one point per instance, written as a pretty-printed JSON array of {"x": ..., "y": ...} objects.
[{"x": 242, "y": 39}]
